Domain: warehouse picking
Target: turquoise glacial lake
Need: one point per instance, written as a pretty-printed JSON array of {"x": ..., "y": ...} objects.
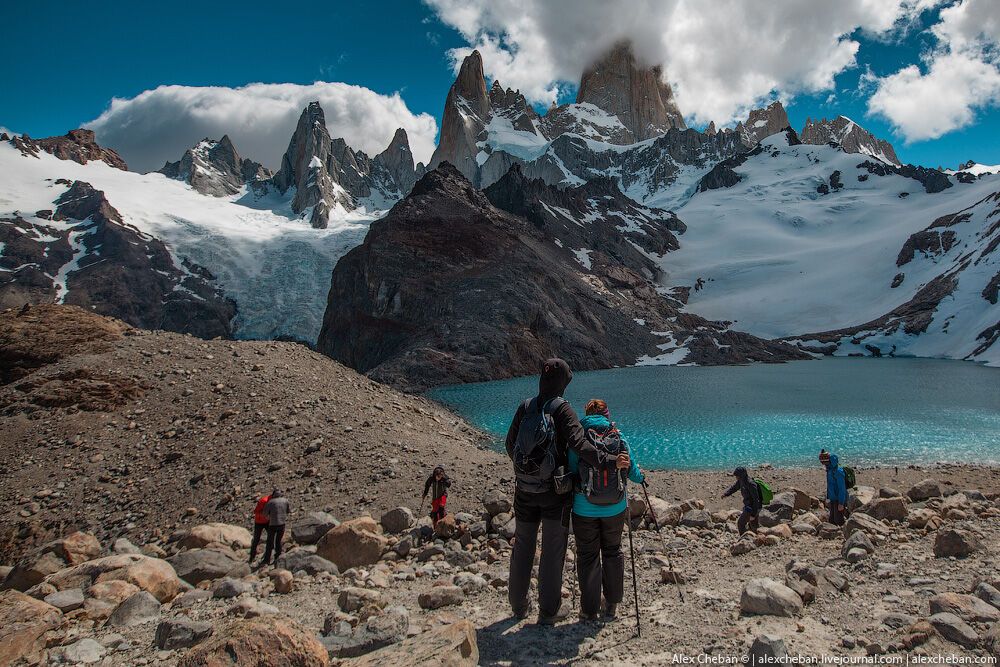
[{"x": 870, "y": 411}]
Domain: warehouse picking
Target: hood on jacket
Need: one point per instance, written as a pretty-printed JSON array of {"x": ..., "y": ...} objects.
[
  {"x": 740, "y": 472},
  {"x": 834, "y": 461},
  {"x": 555, "y": 377},
  {"x": 596, "y": 422}
]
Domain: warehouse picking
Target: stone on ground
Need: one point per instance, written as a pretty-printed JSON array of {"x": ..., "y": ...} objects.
[
  {"x": 313, "y": 526},
  {"x": 955, "y": 542},
  {"x": 954, "y": 629},
  {"x": 234, "y": 537},
  {"x": 440, "y": 596},
  {"x": 302, "y": 559},
  {"x": 354, "y": 598},
  {"x": 967, "y": 607},
  {"x": 175, "y": 633},
  {"x": 889, "y": 509},
  {"x": 198, "y": 565},
  {"x": 452, "y": 645},
  {"x": 76, "y": 548},
  {"x": 767, "y": 597},
  {"x": 375, "y": 633},
  {"x": 137, "y": 609},
  {"x": 258, "y": 643},
  {"x": 282, "y": 580},
  {"x": 23, "y": 624},
  {"x": 496, "y": 503},
  {"x": 924, "y": 490},
  {"x": 353, "y": 544},
  {"x": 398, "y": 520},
  {"x": 988, "y": 594},
  {"x": 83, "y": 652},
  {"x": 766, "y": 646},
  {"x": 67, "y": 600}
]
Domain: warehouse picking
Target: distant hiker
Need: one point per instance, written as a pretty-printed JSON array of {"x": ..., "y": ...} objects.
[
  {"x": 600, "y": 509},
  {"x": 259, "y": 526},
  {"x": 276, "y": 511},
  {"x": 752, "y": 501},
  {"x": 543, "y": 430},
  {"x": 836, "y": 487},
  {"x": 437, "y": 484}
]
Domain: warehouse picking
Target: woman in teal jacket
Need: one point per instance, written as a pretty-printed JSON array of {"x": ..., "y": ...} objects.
[{"x": 600, "y": 563}]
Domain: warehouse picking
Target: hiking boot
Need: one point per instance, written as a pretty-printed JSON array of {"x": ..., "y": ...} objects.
[
  {"x": 561, "y": 615},
  {"x": 611, "y": 612},
  {"x": 589, "y": 618},
  {"x": 524, "y": 613}
]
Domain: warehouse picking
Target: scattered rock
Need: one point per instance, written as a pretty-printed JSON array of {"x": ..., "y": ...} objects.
[
  {"x": 868, "y": 524},
  {"x": 258, "y": 643},
  {"x": 312, "y": 527},
  {"x": 199, "y": 565},
  {"x": 251, "y": 608},
  {"x": 446, "y": 528},
  {"x": 85, "y": 651},
  {"x": 76, "y": 548},
  {"x": 299, "y": 559},
  {"x": 988, "y": 594},
  {"x": 955, "y": 542},
  {"x": 769, "y": 598},
  {"x": 139, "y": 608},
  {"x": 452, "y": 645},
  {"x": 889, "y": 509},
  {"x": 496, "y": 503},
  {"x": 67, "y": 600},
  {"x": 696, "y": 519},
  {"x": 440, "y": 596},
  {"x": 924, "y": 490},
  {"x": 175, "y": 633},
  {"x": 954, "y": 629},
  {"x": 230, "y": 588},
  {"x": 766, "y": 646},
  {"x": 282, "y": 580},
  {"x": 967, "y": 607},
  {"x": 857, "y": 541},
  {"x": 897, "y": 620},
  {"x": 354, "y": 598},
  {"x": 375, "y": 633},
  {"x": 398, "y": 520}
]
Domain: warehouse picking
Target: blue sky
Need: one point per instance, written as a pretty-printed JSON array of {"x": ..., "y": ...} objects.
[{"x": 66, "y": 72}]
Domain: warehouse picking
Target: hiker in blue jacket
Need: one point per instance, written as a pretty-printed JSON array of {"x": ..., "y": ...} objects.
[
  {"x": 836, "y": 487},
  {"x": 597, "y": 526}
]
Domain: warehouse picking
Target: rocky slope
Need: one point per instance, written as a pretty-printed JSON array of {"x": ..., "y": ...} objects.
[
  {"x": 850, "y": 136},
  {"x": 449, "y": 288},
  {"x": 82, "y": 252},
  {"x": 215, "y": 168},
  {"x": 77, "y": 145}
]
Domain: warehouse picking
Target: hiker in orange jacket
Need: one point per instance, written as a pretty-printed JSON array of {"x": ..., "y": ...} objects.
[{"x": 259, "y": 526}]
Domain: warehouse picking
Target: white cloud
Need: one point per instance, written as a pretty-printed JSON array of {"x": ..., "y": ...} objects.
[
  {"x": 160, "y": 124},
  {"x": 959, "y": 77},
  {"x": 721, "y": 57}
]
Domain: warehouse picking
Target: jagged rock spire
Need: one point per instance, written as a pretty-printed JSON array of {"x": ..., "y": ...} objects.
[{"x": 466, "y": 112}]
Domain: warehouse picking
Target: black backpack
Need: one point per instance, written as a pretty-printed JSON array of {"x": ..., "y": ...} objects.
[
  {"x": 535, "y": 452},
  {"x": 604, "y": 485}
]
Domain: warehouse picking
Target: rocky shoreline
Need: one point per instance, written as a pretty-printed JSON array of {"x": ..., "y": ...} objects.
[{"x": 133, "y": 459}]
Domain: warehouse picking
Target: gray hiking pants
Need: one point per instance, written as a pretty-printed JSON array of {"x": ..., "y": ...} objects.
[{"x": 550, "y": 511}]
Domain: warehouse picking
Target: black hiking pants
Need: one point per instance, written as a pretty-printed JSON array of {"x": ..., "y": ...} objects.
[
  {"x": 274, "y": 536},
  {"x": 258, "y": 530},
  {"x": 600, "y": 563},
  {"x": 836, "y": 516},
  {"x": 550, "y": 511},
  {"x": 748, "y": 519}
]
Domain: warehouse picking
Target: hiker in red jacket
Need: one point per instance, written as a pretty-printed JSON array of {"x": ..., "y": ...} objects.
[
  {"x": 259, "y": 526},
  {"x": 437, "y": 484}
]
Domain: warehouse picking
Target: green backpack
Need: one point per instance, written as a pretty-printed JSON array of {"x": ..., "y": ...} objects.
[
  {"x": 766, "y": 494},
  {"x": 849, "y": 480}
]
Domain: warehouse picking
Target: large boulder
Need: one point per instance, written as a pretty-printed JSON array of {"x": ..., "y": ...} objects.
[
  {"x": 802, "y": 500},
  {"x": 139, "y": 608},
  {"x": 307, "y": 561},
  {"x": 199, "y": 565},
  {"x": 923, "y": 517},
  {"x": 152, "y": 575},
  {"x": 696, "y": 519},
  {"x": 857, "y": 540},
  {"x": 967, "y": 607},
  {"x": 767, "y": 597},
  {"x": 666, "y": 514},
  {"x": 988, "y": 593},
  {"x": 924, "y": 490},
  {"x": 353, "y": 543},
  {"x": 452, "y": 645},
  {"x": 353, "y": 598},
  {"x": 314, "y": 525},
  {"x": 76, "y": 548},
  {"x": 811, "y": 580},
  {"x": 32, "y": 571},
  {"x": 398, "y": 520},
  {"x": 860, "y": 496},
  {"x": 258, "y": 642},
  {"x": 954, "y": 629},
  {"x": 67, "y": 600},
  {"x": 955, "y": 542},
  {"x": 765, "y": 647},
  {"x": 889, "y": 509},
  {"x": 496, "y": 503},
  {"x": 23, "y": 624},
  {"x": 234, "y": 537}
]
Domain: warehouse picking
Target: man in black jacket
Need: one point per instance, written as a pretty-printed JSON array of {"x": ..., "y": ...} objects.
[
  {"x": 751, "y": 499},
  {"x": 547, "y": 508}
]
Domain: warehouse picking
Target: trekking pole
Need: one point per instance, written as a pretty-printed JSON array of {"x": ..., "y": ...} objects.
[
  {"x": 666, "y": 551},
  {"x": 635, "y": 583}
]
